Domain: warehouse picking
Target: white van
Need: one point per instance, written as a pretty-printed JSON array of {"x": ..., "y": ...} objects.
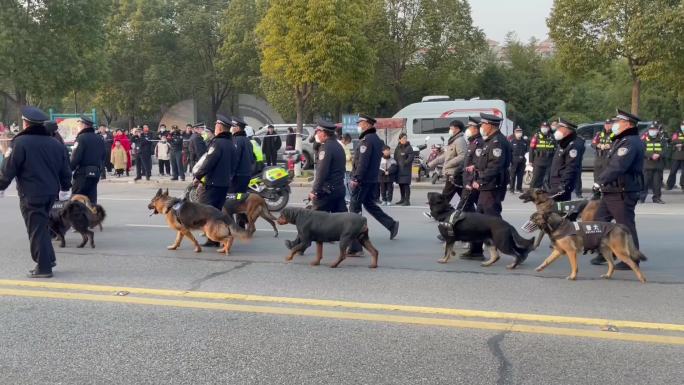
[{"x": 431, "y": 117}]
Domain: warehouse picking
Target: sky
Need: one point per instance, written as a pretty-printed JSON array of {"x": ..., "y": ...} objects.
[{"x": 527, "y": 18}]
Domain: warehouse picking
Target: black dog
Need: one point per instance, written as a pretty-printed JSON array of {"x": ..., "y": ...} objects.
[
  {"x": 319, "y": 227},
  {"x": 498, "y": 234},
  {"x": 65, "y": 215}
]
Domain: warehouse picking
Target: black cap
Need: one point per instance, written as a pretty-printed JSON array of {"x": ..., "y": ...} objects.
[
  {"x": 366, "y": 118},
  {"x": 33, "y": 114},
  {"x": 608, "y": 121},
  {"x": 223, "y": 120},
  {"x": 545, "y": 124},
  {"x": 198, "y": 125},
  {"x": 473, "y": 121},
  {"x": 85, "y": 119},
  {"x": 238, "y": 122},
  {"x": 518, "y": 129},
  {"x": 564, "y": 123},
  {"x": 490, "y": 119},
  {"x": 623, "y": 115},
  {"x": 270, "y": 126},
  {"x": 325, "y": 125}
]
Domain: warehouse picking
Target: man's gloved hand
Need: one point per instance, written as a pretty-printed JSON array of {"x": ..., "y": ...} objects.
[
  {"x": 596, "y": 188},
  {"x": 64, "y": 195}
]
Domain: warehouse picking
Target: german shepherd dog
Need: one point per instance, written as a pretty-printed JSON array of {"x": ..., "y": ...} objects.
[
  {"x": 185, "y": 216},
  {"x": 319, "y": 227},
  {"x": 498, "y": 234},
  {"x": 76, "y": 214},
  {"x": 545, "y": 204},
  {"x": 254, "y": 206},
  {"x": 570, "y": 238}
]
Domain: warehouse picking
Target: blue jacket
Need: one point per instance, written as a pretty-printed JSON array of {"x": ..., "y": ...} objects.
[
  {"x": 366, "y": 162},
  {"x": 219, "y": 163},
  {"x": 244, "y": 154}
]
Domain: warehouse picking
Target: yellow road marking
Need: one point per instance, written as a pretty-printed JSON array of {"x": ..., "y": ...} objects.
[
  {"x": 533, "y": 329},
  {"x": 352, "y": 305}
]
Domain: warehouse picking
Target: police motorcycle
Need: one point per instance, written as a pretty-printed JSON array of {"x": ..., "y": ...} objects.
[
  {"x": 529, "y": 170},
  {"x": 272, "y": 183},
  {"x": 420, "y": 162},
  {"x": 436, "y": 150}
]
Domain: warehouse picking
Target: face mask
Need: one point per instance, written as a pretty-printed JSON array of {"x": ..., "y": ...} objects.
[
  {"x": 452, "y": 132},
  {"x": 615, "y": 129},
  {"x": 558, "y": 135},
  {"x": 482, "y": 133},
  {"x": 518, "y": 135},
  {"x": 467, "y": 134},
  {"x": 652, "y": 133},
  {"x": 359, "y": 129},
  {"x": 681, "y": 128},
  {"x": 316, "y": 139},
  {"x": 545, "y": 130}
]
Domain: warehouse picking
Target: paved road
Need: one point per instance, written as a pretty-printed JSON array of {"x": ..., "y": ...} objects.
[{"x": 181, "y": 317}]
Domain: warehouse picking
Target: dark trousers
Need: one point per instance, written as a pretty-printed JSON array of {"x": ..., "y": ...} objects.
[
  {"x": 164, "y": 167},
  {"x": 488, "y": 203},
  {"x": 539, "y": 179},
  {"x": 177, "y": 168},
  {"x": 619, "y": 206},
  {"x": 332, "y": 203},
  {"x": 674, "y": 167},
  {"x": 450, "y": 189},
  {"x": 143, "y": 166},
  {"x": 363, "y": 195},
  {"x": 653, "y": 179},
  {"x": 386, "y": 191},
  {"x": 35, "y": 211},
  {"x": 271, "y": 158},
  {"x": 214, "y": 196},
  {"x": 578, "y": 182},
  {"x": 240, "y": 183},
  {"x": 85, "y": 186},
  {"x": 405, "y": 191},
  {"x": 517, "y": 172}
]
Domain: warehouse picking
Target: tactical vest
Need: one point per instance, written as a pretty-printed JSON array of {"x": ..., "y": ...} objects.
[
  {"x": 544, "y": 143},
  {"x": 258, "y": 154},
  {"x": 603, "y": 139},
  {"x": 653, "y": 147}
]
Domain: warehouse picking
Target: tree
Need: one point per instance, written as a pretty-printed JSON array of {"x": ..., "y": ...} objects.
[
  {"x": 590, "y": 34},
  {"x": 310, "y": 44}
]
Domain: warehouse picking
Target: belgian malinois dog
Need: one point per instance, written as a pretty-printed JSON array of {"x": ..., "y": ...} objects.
[
  {"x": 570, "y": 238},
  {"x": 185, "y": 216},
  {"x": 254, "y": 206}
]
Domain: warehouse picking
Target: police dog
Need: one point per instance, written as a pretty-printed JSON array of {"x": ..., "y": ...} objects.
[
  {"x": 320, "y": 226},
  {"x": 498, "y": 234},
  {"x": 586, "y": 210},
  {"x": 569, "y": 238},
  {"x": 185, "y": 216},
  {"x": 76, "y": 214},
  {"x": 254, "y": 206}
]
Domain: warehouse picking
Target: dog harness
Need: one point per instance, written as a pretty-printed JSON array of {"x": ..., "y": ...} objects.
[
  {"x": 446, "y": 228},
  {"x": 591, "y": 232}
]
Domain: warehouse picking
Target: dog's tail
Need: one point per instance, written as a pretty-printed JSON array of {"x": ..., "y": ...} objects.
[
  {"x": 588, "y": 213},
  {"x": 267, "y": 214},
  {"x": 634, "y": 253},
  {"x": 100, "y": 213},
  {"x": 234, "y": 228},
  {"x": 522, "y": 245}
]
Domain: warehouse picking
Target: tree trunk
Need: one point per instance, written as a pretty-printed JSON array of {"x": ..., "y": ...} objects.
[{"x": 636, "y": 95}]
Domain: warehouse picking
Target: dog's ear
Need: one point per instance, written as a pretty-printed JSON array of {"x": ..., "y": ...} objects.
[
  {"x": 166, "y": 193},
  {"x": 159, "y": 193}
]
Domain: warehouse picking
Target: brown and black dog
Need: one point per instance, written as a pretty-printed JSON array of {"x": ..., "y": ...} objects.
[
  {"x": 254, "y": 206},
  {"x": 586, "y": 210},
  {"x": 571, "y": 238},
  {"x": 77, "y": 214},
  {"x": 185, "y": 216},
  {"x": 319, "y": 227}
]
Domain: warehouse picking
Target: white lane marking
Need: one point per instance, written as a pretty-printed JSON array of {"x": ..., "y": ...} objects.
[{"x": 166, "y": 227}]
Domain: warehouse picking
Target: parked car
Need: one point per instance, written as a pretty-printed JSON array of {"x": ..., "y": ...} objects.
[
  {"x": 587, "y": 132},
  {"x": 281, "y": 130}
]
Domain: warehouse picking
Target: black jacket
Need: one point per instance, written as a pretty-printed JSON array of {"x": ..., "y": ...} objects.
[
  {"x": 219, "y": 163},
  {"x": 176, "y": 141},
  {"x": 519, "y": 148},
  {"x": 331, "y": 167},
  {"x": 624, "y": 167},
  {"x": 39, "y": 162},
  {"x": 290, "y": 141},
  {"x": 565, "y": 165},
  {"x": 475, "y": 143},
  {"x": 493, "y": 162},
  {"x": 88, "y": 151},
  {"x": 271, "y": 143},
  {"x": 197, "y": 147},
  {"x": 146, "y": 144},
  {"x": 366, "y": 162},
  {"x": 403, "y": 154},
  {"x": 244, "y": 156}
]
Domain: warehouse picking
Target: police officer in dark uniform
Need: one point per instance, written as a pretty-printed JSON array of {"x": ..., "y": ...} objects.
[
  {"x": 654, "y": 163},
  {"x": 475, "y": 143},
  {"x": 176, "y": 142},
  {"x": 364, "y": 178},
  {"x": 491, "y": 167},
  {"x": 677, "y": 160},
  {"x": 41, "y": 167},
  {"x": 565, "y": 164},
  {"x": 145, "y": 151},
  {"x": 87, "y": 159},
  {"x": 541, "y": 155},
  {"x": 519, "y": 148},
  {"x": 327, "y": 192},
  {"x": 244, "y": 156},
  {"x": 621, "y": 181},
  {"x": 217, "y": 167},
  {"x": 601, "y": 143},
  {"x": 196, "y": 146}
]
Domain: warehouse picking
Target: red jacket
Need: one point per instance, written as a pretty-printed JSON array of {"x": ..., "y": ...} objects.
[{"x": 126, "y": 145}]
